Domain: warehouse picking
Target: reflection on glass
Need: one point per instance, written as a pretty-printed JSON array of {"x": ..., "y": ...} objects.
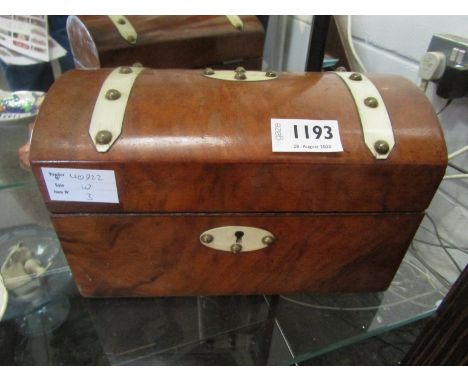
[{"x": 318, "y": 324}]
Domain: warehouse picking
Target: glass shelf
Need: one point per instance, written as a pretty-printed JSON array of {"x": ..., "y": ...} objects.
[
  {"x": 257, "y": 330},
  {"x": 314, "y": 325},
  {"x": 12, "y": 137},
  {"x": 230, "y": 330}
]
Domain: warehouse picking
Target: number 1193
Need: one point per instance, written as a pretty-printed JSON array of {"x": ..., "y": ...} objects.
[{"x": 317, "y": 131}]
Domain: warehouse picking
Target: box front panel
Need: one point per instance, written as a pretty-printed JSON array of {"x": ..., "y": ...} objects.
[{"x": 161, "y": 255}]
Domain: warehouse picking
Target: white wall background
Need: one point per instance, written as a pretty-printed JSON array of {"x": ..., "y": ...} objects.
[{"x": 394, "y": 45}]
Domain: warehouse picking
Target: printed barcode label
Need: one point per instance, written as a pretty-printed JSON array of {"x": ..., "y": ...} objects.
[
  {"x": 80, "y": 185},
  {"x": 305, "y": 135}
]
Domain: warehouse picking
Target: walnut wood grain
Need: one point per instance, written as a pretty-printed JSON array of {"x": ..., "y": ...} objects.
[
  {"x": 195, "y": 144},
  {"x": 166, "y": 41},
  {"x": 160, "y": 255}
]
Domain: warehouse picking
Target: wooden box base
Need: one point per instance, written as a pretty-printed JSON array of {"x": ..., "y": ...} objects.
[{"x": 161, "y": 255}]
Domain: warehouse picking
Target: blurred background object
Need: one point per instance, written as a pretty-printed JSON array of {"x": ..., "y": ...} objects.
[
  {"x": 166, "y": 41},
  {"x": 34, "y": 273},
  {"x": 40, "y": 76}
]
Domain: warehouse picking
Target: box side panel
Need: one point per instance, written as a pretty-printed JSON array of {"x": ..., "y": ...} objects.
[{"x": 161, "y": 255}]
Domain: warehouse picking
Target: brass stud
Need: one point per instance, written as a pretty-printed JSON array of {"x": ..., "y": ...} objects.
[
  {"x": 381, "y": 147},
  {"x": 208, "y": 72},
  {"x": 268, "y": 240},
  {"x": 125, "y": 70},
  {"x": 113, "y": 94},
  {"x": 207, "y": 238},
  {"x": 355, "y": 77},
  {"x": 240, "y": 73},
  {"x": 131, "y": 39},
  {"x": 236, "y": 248},
  {"x": 371, "y": 102},
  {"x": 121, "y": 21},
  {"x": 271, "y": 74},
  {"x": 103, "y": 137}
]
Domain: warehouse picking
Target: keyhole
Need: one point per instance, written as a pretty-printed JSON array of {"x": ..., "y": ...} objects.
[{"x": 239, "y": 235}]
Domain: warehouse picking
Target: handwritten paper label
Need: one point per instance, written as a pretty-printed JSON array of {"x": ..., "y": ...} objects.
[
  {"x": 80, "y": 185},
  {"x": 305, "y": 135}
]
